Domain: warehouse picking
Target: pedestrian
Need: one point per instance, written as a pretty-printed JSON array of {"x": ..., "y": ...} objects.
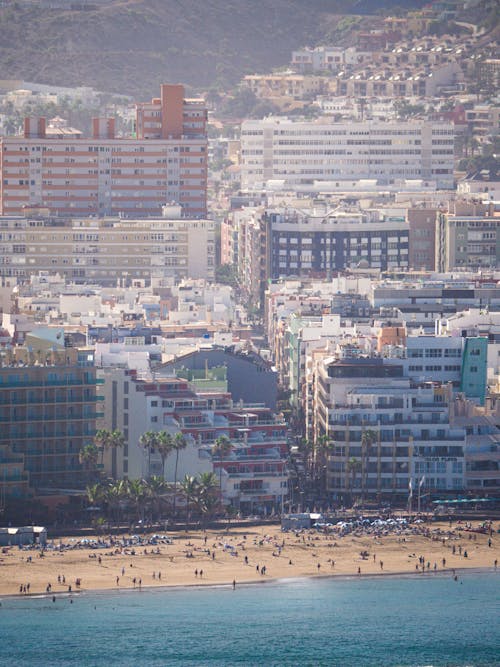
[
  {"x": 495, "y": 563},
  {"x": 196, "y": 573},
  {"x": 381, "y": 565},
  {"x": 234, "y": 584},
  {"x": 359, "y": 570},
  {"x": 117, "y": 581},
  {"x": 319, "y": 567},
  {"x": 159, "y": 576},
  {"x": 201, "y": 573}
]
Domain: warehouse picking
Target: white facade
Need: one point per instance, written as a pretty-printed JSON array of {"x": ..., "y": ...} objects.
[{"x": 301, "y": 152}]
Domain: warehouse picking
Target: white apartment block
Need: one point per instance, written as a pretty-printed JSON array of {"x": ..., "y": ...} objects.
[{"x": 298, "y": 152}]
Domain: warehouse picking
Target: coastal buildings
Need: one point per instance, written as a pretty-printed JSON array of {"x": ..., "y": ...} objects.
[
  {"x": 103, "y": 175},
  {"x": 387, "y": 435},
  {"x": 253, "y": 473},
  {"x": 48, "y": 413},
  {"x": 296, "y": 152}
]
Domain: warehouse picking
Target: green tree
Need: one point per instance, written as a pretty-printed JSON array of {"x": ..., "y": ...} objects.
[
  {"x": 207, "y": 496},
  {"x": 148, "y": 441},
  {"x": 352, "y": 468},
  {"x": 189, "y": 486},
  {"x": 89, "y": 457},
  {"x": 227, "y": 274},
  {"x": 155, "y": 489},
  {"x": 368, "y": 437},
  {"x": 164, "y": 446},
  {"x": 178, "y": 445},
  {"x": 105, "y": 440},
  {"x": 220, "y": 450}
]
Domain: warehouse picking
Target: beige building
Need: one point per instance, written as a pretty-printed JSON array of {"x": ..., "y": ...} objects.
[
  {"x": 108, "y": 250},
  {"x": 296, "y": 86}
]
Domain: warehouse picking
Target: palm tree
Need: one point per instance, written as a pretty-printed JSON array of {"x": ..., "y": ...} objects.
[
  {"x": 220, "y": 450},
  {"x": 101, "y": 440},
  {"x": 189, "y": 486},
  {"x": 179, "y": 443},
  {"x": 207, "y": 497},
  {"x": 114, "y": 495},
  {"x": 105, "y": 439},
  {"x": 155, "y": 488},
  {"x": 353, "y": 467},
  {"x": 89, "y": 457},
  {"x": 164, "y": 445},
  {"x": 137, "y": 493},
  {"x": 368, "y": 437},
  {"x": 95, "y": 494},
  {"x": 148, "y": 441}
]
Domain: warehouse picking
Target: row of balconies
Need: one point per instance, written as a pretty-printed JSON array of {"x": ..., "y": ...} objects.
[
  {"x": 7, "y": 400},
  {"x": 50, "y": 418}
]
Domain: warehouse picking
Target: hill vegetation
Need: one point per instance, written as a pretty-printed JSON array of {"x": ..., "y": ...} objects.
[{"x": 131, "y": 46}]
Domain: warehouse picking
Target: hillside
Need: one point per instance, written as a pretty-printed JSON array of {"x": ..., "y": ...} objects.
[{"x": 130, "y": 46}]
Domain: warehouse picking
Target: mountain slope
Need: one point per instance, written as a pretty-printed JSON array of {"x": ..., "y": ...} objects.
[{"x": 130, "y": 46}]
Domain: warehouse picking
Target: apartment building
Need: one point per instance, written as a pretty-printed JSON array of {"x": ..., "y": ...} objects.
[
  {"x": 301, "y": 152},
  {"x": 469, "y": 241},
  {"x": 319, "y": 244},
  {"x": 108, "y": 250},
  {"x": 103, "y": 175},
  {"x": 321, "y": 58},
  {"x": 254, "y": 473},
  {"x": 395, "y": 432},
  {"x": 48, "y": 412},
  {"x": 400, "y": 82},
  {"x": 287, "y": 84}
]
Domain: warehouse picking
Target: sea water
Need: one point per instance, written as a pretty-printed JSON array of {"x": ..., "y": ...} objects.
[{"x": 362, "y": 622}]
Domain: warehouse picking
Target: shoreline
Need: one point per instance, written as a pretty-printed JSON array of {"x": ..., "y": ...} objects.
[
  {"x": 441, "y": 574},
  {"x": 257, "y": 555}
]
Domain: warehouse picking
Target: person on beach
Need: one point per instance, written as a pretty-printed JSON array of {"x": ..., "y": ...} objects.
[{"x": 234, "y": 584}]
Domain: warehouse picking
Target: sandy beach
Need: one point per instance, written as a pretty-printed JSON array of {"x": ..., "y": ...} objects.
[{"x": 243, "y": 555}]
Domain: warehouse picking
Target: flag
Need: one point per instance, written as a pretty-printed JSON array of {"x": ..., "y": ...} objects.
[
  {"x": 421, "y": 483},
  {"x": 410, "y": 488}
]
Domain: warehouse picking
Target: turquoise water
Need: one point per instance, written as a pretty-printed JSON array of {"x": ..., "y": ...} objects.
[{"x": 385, "y": 621}]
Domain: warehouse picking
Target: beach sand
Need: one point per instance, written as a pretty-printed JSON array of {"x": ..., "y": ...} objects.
[{"x": 284, "y": 555}]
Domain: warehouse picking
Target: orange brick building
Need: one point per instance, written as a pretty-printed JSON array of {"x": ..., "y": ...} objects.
[{"x": 105, "y": 175}]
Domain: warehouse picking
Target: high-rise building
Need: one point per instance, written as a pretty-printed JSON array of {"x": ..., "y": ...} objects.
[
  {"x": 106, "y": 175},
  {"x": 110, "y": 249},
  {"x": 48, "y": 412},
  {"x": 303, "y": 152}
]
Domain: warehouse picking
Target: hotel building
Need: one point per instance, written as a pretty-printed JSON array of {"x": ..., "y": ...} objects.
[
  {"x": 105, "y": 175},
  {"x": 302, "y": 152}
]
